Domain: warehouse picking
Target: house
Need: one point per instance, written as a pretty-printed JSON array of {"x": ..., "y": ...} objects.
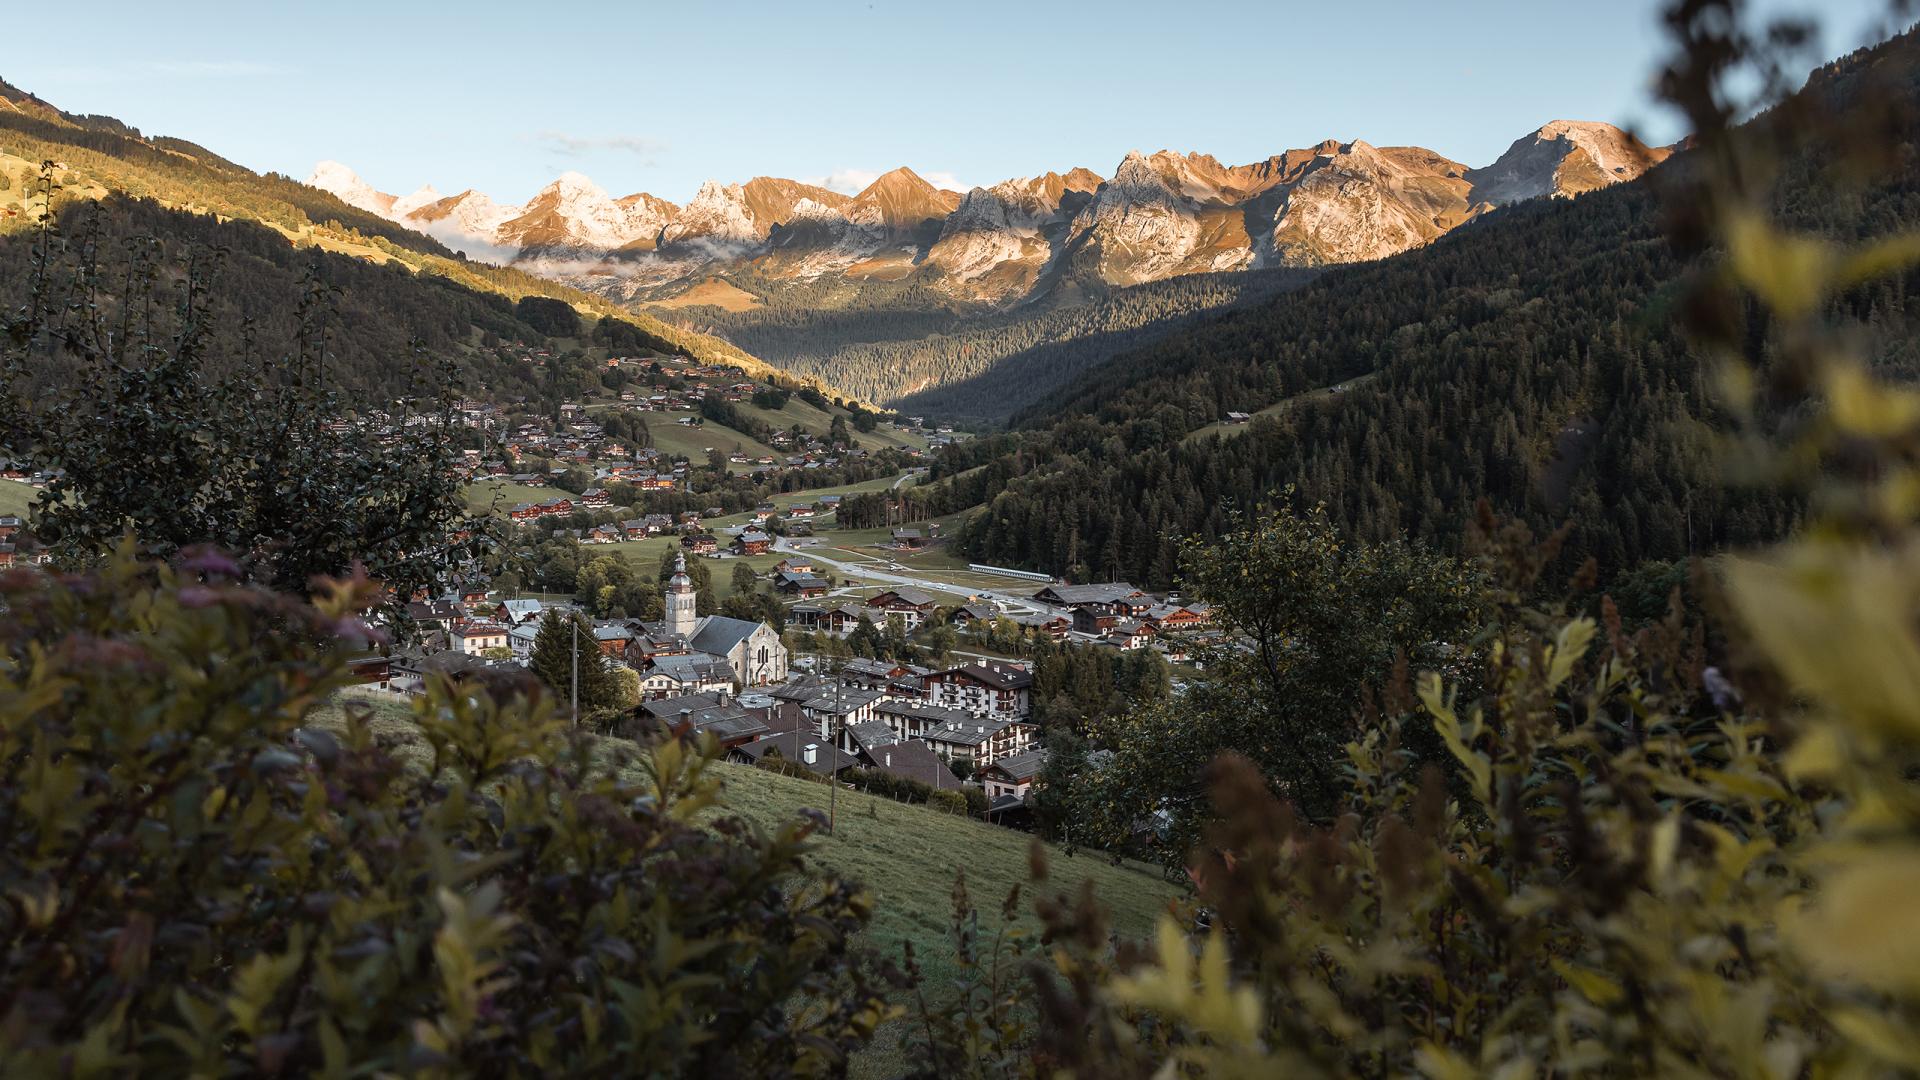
[
  {"x": 10, "y": 525},
  {"x": 912, "y": 605},
  {"x": 612, "y": 638},
  {"x": 752, "y": 542},
  {"x": 677, "y": 675},
  {"x": 805, "y": 586},
  {"x": 1131, "y": 634},
  {"x": 913, "y": 719},
  {"x": 696, "y": 715},
  {"x": 1053, "y": 626},
  {"x": 830, "y": 708},
  {"x": 908, "y": 759},
  {"x": 604, "y": 534},
  {"x": 999, "y": 690},
  {"x": 1238, "y": 417},
  {"x": 969, "y": 614},
  {"x": 700, "y": 543},
  {"x": 871, "y": 674},
  {"x": 409, "y": 672},
  {"x": 908, "y": 540},
  {"x": 595, "y": 497},
  {"x": 635, "y": 529},
  {"x": 797, "y": 747},
  {"x": 838, "y": 620},
  {"x": 372, "y": 669},
  {"x": 520, "y": 639},
  {"x": 1012, "y": 775},
  {"x": 1113, "y": 598},
  {"x": 1167, "y": 618},
  {"x": 475, "y": 636},
  {"x": 515, "y": 612},
  {"x": 980, "y": 740}
]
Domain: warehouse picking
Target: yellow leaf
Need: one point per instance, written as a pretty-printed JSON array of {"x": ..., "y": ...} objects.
[
  {"x": 1593, "y": 985},
  {"x": 1791, "y": 273},
  {"x": 1864, "y": 926}
]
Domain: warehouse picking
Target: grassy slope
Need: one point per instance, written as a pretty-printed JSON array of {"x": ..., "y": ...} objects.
[
  {"x": 16, "y": 497},
  {"x": 908, "y": 856},
  {"x": 210, "y": 186}
]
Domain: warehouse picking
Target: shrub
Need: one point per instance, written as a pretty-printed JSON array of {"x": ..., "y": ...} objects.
[{"x": 199, "y": 880}]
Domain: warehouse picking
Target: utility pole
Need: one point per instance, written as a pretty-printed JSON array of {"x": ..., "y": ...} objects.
[
  {"x": 575, "y": 620},
  {"x": 833, "y": 781}
]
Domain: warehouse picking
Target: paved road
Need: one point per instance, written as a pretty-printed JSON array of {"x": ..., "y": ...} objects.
[{"x": 1016, "y": 603}]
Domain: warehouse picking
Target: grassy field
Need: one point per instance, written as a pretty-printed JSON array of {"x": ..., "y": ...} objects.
[
  {"x": 909, "y": 856},
  {"x": 16, "y": 497},
  {"x": 1322, "y": 394},
  {"x": 673, "y": 438},
  {"x": 503, "y": 495}
]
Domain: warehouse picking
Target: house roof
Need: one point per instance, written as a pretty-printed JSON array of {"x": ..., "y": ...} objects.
[
  {"x": 996, "y": 676},
  {"x": 908, "y": 596},
  {"x": 827, "y": 759},
  {"x": 1022, "y": 767},
  {"x": 915, "y": 760},
  {"x": 1103, "y": 593},
  {"x": 973, "y": 731},
  {"x": 932, "y": 714}
]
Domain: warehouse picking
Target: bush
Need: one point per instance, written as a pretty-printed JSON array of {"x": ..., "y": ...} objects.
[{"x": 201, "y": 880}]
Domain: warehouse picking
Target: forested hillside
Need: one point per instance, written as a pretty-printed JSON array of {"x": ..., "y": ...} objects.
[
  {"x": 97, "y": 157},
  {"x": 1530, "y": 358},
  {"x": 920, "y": 353}
]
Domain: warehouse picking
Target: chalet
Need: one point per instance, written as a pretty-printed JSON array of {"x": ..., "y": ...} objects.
[
  {"x": 969, "y": 614},
  {"x": 595, "y": 497},
  {"x": 557, "y": 506},
  {"x": 520, "y": 639},
  {"x": 1112, "y": 598},
  {"x": 1170, "y": 618},
  {"x": 612, "y": 638},
  {"x": 805, "y": 586},
  {"x": 656, "y": 482},
  {"x": 794, "y": 564},
  {"x": 752, "y": 542},
  {"x": 799, "y": 513},
  {"x": 604, "y": 534},
  {"x": 999, "y": 690},
  {"x": 1014, "y": 775},
  {"x": 516, "y": 612},
  {"x": 10, "y": 525},
  {"x": 439, "y": 613},
  {"x": 695, "y": 715},
  {"x": 981, "y": 740},
  {"x": 372, "y": 669},
  {"x": 524, "y": 512},
  {"x": 475, "y": 636},
  {"x": 911, "y": 605},
  {"x": 839, "y": 620},
  {"x": 822, "y": 759},
  {"x": 678, "y": 674},
  {"x": 1053, "y": 626},
  {"x": 908, "y": 540},
  {"x": 700, "y": 543},
  {"x": 7, "y": 554},
  {"x": 908, "y": 759},
  {"x": 913, "y": 719},
  {"x": 1130, "y": 634},
  {"x": 1238, "y": 417},
  {"x": 871, "y": 674},
  {"x": 635, "y": 529}
]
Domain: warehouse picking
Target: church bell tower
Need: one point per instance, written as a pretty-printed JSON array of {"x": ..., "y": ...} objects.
[{"x": 680, "y": 616}]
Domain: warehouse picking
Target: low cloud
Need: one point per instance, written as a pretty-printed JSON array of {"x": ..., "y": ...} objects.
[{"x": 569, "y": 145}]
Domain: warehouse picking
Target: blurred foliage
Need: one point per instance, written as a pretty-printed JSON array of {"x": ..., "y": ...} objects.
[
  {"x": 1648, "y": 853},
  {"x": 196, "y": 883}
]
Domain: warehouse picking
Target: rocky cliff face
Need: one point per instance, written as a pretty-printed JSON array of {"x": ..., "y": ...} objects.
[{"x": 1159, "y": 215}]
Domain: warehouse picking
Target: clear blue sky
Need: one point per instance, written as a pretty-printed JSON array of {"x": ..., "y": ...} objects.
[{"x": 659, "y": 96}]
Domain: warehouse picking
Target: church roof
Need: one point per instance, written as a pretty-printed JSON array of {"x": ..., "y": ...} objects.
[{"x": 718, "y": 634}]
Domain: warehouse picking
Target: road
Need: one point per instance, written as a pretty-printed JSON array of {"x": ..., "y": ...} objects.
[{"x": 1015, "y": 603}]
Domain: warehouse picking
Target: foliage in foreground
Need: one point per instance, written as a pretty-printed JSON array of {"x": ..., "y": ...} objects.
[
  {"x": 1643, "y": 863},
  {"x": 196, "y": 883}
]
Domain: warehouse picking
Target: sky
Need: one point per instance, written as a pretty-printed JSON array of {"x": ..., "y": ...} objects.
[{"x": 657, "y": 97}]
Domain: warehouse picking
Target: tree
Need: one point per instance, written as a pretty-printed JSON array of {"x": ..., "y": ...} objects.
[
  {"x": 231, "y": 860},
  {"x": 151, "y": 431},
  {"x": 553, "y": 660},
  {"x": 940, "y": 641},
  {"x": 744, "y": 579},
  {"x": 1322, "y": 620},
  {"x": 865, "y": 640}
]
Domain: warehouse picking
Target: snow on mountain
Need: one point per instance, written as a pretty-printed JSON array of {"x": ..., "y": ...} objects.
[
  {"x": 346, "y": 185},
  {"x": 1157, "y": 216}
]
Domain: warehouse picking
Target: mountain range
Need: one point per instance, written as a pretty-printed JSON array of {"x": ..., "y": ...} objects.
[{"x": 1154, "y": 217}]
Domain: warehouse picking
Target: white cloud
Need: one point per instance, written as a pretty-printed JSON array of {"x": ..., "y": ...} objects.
[{"x": 568, "y": 145}]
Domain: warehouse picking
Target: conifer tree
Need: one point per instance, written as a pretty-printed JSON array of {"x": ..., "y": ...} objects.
[{"x": 553, "y": 662}]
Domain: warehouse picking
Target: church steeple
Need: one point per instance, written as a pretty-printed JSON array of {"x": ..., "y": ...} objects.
[{"x": 680, "y": 600}]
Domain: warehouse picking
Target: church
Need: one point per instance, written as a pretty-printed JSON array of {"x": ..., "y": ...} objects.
[{"x": 752, "y": 651}]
